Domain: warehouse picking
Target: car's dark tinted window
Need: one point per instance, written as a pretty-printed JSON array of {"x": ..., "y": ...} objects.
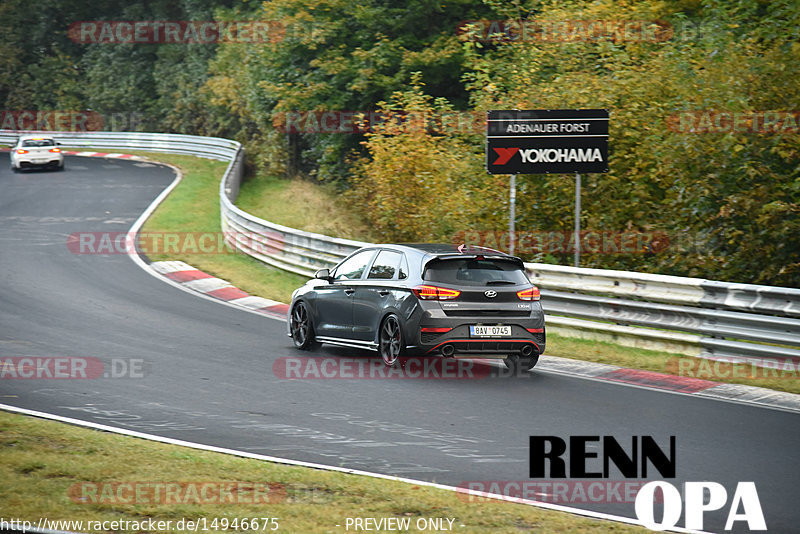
[
  {"x": 385, "y": 265},
  {"x": 353, "y": 268},
  {"x": 475, "y": 272}
]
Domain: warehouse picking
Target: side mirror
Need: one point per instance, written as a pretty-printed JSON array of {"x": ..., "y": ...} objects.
[{"x": 323, "y": 274}]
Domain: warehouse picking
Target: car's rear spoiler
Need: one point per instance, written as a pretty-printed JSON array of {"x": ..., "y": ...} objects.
[{"x": 495, "y": 256}]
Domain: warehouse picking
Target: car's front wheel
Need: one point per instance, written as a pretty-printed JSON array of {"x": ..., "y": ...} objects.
[
  {"x": 301, "y": 328},
  {"x": 390, "y": 340}
]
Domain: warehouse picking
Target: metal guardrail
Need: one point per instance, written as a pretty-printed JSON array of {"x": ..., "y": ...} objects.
[
  {"x": 739, "y": 322},
  {"x": 192, "y": 145},
  {"x": 706, "y": 318},
  {"x": 771, "y": 300}
]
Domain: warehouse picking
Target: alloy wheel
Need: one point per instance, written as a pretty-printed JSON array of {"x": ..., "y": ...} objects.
[
  {"x": 390, "y": 343},
  {"x": 301, "y": 327}
]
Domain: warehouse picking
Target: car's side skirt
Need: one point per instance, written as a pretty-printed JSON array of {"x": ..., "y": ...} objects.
[{"x": 369, "y": 345}]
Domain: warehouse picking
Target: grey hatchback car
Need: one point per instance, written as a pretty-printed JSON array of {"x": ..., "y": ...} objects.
[{"x": 423, "y": 299}]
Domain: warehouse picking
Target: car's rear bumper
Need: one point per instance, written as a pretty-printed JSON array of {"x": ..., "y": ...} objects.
[
  {"x": 526, "y": 339},
  {"x": 37, "y": 164}
]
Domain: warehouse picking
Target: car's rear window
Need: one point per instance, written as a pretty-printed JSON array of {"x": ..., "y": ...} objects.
[
  {"x": 475, "y": 272},
  {"x": 38, "y": 142}
]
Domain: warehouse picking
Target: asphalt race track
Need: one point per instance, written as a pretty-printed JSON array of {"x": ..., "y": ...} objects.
[{"x": 208, "y": 370}]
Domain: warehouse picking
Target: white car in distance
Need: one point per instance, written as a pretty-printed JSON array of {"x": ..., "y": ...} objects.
[{"x": 36, "y": 151}]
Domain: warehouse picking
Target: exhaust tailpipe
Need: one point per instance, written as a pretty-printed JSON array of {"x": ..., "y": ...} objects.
[
  {"x": 448, "y": 350},
  {"x": 527, "y": 350}
]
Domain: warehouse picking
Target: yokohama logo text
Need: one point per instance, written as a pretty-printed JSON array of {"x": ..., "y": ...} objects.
[{"x": 548, "y": 155}]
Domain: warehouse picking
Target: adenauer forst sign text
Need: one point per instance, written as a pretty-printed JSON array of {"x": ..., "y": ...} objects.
[{"x": 547, "y": 141}]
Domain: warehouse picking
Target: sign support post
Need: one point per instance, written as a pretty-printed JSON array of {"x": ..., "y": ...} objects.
[
  {"x": 512, "y": 214},
  {"x": 577, "y": 219}
]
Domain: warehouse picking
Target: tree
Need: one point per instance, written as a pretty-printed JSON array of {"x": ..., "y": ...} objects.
[
  {"x": 418, "y": 184},
  {"x": 347, "y": 56}
]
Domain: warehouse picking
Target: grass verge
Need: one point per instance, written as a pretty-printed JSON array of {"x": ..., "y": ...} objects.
[
  {"x": 322, "y": 211},
  {"x": 193, "y": 207},
  {"x": 670, "y": 363},
  {"x": 80, "y": 474}
]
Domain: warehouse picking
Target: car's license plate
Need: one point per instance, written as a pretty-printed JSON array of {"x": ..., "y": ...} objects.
[{"x": 489, "y": 331}]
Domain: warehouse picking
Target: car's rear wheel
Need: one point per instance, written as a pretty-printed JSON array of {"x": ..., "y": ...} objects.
[
  {"x": 301, "y": 328},
  {"x": 390, "y": 340},
  {"x": 517, "y": 363}
]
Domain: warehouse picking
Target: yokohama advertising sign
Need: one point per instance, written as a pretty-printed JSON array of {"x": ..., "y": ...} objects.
[{"x": 547, "y": 141}]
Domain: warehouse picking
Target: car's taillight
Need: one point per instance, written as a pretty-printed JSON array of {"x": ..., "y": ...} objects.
[
  {"x": 55, "y": 149},
  {"x": 435, "y": 293},
  {"x": 21, "y": 151},
  {"x": 529, "y": 294}
]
